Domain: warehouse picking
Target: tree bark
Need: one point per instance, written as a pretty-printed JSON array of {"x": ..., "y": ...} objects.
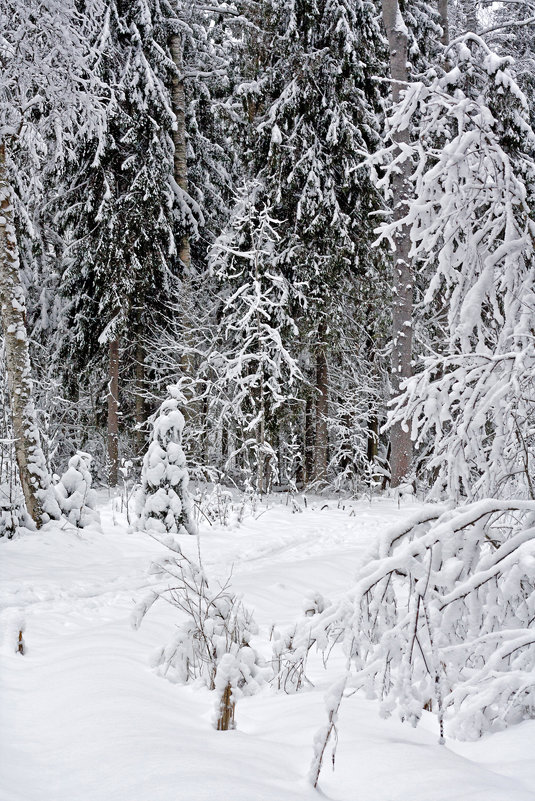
[
  {"x": 310, "y": 436},
  {"x": 322, "y": 408},
  {"x": 140, "y": 411},
  {"x": 180, "y": 166},
  {"x": 444, "y": 22},
  {"x": 180, "y": 172},
  {"x": 33, "y": 472},
  {"x": 227, "y": 709},
  {"x": 402, "y": 289},
  {"x": 373, "y": 436},
  {"x": 260, "y": 443},
  {"x": 113, "y": 412}
]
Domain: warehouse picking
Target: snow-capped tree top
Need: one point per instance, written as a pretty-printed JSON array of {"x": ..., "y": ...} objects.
[{"x": 46, "y": 78}]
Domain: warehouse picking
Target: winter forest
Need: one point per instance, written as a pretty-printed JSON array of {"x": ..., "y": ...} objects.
[{"x": 267, "y": 369}]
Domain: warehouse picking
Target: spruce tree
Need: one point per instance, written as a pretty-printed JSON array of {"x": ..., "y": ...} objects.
[
  {"x": 126, "y": 216},
  {"x": 164, "y": 503},
  {"x": 314, "y": 108}
]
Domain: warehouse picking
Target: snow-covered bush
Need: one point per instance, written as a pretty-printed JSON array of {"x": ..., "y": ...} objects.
[
  {"x": 290, "y": 648},
  {"x": 289, "y": 659},
  {"x": 442, "y": 618},
  {"x": 13, "y": 513},
  {"x": 214, "y": 505},
  {"x": 164, "y": 504},
  {"x": 212, "y": 641},
  {"x": 75, "y": 497}
]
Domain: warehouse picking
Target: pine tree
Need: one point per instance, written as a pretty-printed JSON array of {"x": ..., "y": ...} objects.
[
  {"x": 76, "y": 498},
  {"x": 256, "y": 374}
]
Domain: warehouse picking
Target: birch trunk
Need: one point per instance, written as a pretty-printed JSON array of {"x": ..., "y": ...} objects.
[
  {"x": 113, "y": 412},
  {"x": 33, "y": 472},
  {"x": 180, "y": 166},
  {"x": 402, "y": 289}
]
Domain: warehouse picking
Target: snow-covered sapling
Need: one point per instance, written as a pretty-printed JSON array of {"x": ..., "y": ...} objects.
[
  {"x": 290, "y": 648},
  {"x": 212, "y": 642},
  {"x": 333, "y": 700},
  {"x": 164, "y": 503},
  {"x": 76, "y": 499}
]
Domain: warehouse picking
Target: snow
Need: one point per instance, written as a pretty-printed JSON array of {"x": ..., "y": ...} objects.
[{"x": 86, "y": 718}]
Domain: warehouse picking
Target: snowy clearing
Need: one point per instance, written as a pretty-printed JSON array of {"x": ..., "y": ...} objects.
[{"x": 86, "y": 718}]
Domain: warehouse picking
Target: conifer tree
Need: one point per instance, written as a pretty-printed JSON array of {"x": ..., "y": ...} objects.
[
  {"x": 256, "y": 372},
  {"x": 309, "y": 164},
  {"x": 164, "y": 503},
  {"x": 126, "y": 216}
]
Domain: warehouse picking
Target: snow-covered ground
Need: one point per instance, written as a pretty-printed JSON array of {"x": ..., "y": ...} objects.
[{"x": 83, "y": 716}]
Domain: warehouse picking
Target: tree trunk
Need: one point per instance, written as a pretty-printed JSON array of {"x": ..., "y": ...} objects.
[
  {"x": 140, "y": 411},
  {"x": 113, "y": 412},
  {"x": 402, "y": 290},
  {"x": 310, "y": 437},
  {"x": 470, "y": 15},
  {"x": 322, "y": 408},
  {"x": 227, "y": 708},
  {"x": 444, "y": 22},
  {"x": 178, "y": 100},
  {"x": 261, "y": 438},
  {"x": 180, "y": 172},
  {"x": 373, "y": 436},
  {"x": 33, "y": 472}
]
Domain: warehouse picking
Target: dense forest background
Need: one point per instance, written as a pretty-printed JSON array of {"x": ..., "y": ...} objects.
[{"x": 291, "y": 212}]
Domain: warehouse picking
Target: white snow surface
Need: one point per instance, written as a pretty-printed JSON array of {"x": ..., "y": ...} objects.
[{"x": 85, "y": 718}]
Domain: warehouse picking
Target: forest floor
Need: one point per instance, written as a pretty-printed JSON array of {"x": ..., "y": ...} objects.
[{"x": 84, "y": 717}]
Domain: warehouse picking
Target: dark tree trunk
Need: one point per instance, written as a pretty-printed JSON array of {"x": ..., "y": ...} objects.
[
  {"x": 310, "y": 438},
  {"x": 322, "y": 408},
  {"x": 373, "y": 436},
  {"x": 140, "y": 411},
  {"x": 113, "y": 413},
  {"x": 444, "y": 21}
]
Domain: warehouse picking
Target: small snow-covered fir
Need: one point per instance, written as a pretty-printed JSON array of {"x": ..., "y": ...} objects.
[
  {"x": 76, "y": 498},
  {"x": 164, "y": 503}
]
